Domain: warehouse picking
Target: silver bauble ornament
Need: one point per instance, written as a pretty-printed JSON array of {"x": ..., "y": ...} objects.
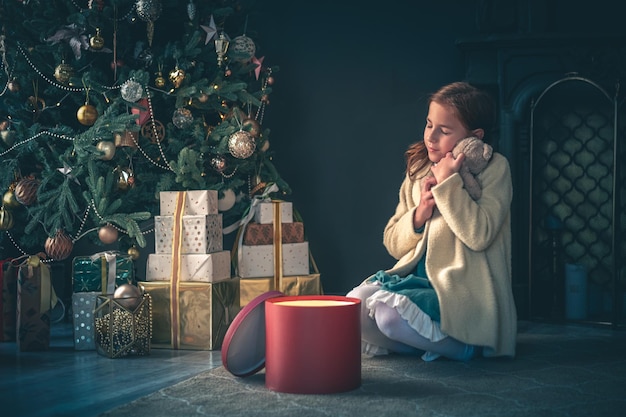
[
  {"x": 108, "y": 149},
  {"x": 242, "y": 49},
  {"x": 148, "y": 10},
  {"x": 241, "y": 144},
  {"x": 218, "y": 163},
  {"x": 131, "y": 91},
  {"x": 182, "y": 118}
]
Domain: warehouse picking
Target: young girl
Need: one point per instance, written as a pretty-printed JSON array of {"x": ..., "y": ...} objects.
[{"x": 449, "y": 294}]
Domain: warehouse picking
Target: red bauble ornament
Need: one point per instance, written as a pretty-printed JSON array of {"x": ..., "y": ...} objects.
[{"x": 59, "y": 246}]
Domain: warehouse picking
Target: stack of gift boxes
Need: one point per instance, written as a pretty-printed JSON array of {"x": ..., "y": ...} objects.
[
  {"x": 194, "y": 297},
  {"x": 258, "y": 267},
  {"x": 94, "y": 276}
]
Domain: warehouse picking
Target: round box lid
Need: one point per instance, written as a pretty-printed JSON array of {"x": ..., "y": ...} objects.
[{"x": 243, "y": 349}]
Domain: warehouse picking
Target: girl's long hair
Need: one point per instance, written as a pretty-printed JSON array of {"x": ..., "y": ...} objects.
[{"x": 474, "y": 108}]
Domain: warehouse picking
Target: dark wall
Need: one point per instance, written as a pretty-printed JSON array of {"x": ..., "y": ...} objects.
[{"x": 348, "y": 100}]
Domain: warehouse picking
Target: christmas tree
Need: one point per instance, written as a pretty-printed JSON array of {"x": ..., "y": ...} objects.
[{"x": 105, "y": 103}]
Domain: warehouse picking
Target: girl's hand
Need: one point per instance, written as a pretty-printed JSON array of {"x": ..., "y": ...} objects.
[
  {"x": 426, "y": 206},
  {"x": 447, "y": 166}
]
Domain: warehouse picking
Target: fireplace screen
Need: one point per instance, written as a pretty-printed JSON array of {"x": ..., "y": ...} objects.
[{"x": 576, "y": 228}]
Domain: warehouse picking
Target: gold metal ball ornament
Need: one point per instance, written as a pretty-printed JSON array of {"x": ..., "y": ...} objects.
[
  {"x": 128, "y": 295},
  {"x": 177, "y": 76},
  {"x": 6, "y": 219},
  {"x": 96, "y": 41},
  {"x": 134, "y": 253},
  {"x": 107, "y": 148},
  {"x": 252, "y": 126},
  {"x": 87, "y": 114},
  {"x": 159, "y": 81},
  {"x": 59, "y": 246},
  {"x": 63, "y": 73},
  {"x": 9, "y": 201},
  {"x": 107, "y": 234}
]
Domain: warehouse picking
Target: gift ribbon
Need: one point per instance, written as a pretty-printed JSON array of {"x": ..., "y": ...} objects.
[
  {"x": 278, "y": 246},
  {"x": 177, "y": 243},
  {"x": 48, "y": 297},
  {"x": 108, "y": 278},
  {"x": 247, "y": 217}
]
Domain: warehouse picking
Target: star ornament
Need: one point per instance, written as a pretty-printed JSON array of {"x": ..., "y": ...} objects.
[
  {"x": 67, "y": 171},
  {"x": 259, "y": 65},
  {"x": 210, "y": 30}
]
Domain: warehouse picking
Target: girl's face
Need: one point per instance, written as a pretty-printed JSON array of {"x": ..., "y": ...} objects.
[{"x": 443, "y": 130}]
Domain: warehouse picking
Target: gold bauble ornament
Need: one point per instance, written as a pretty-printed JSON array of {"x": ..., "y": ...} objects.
[
  {"x": 177, "y": 76},
  {"x": 8, "y": 137},
  {"x": 59, "y": 246},
  {"x": 159, "y": 81},
  {"x": 107, "y": 234},
  {"x": 128, "y": 296},
  {"x": 96, "y": 41},
  {"x": 134, "y": 253},
  {"x": 87, "y": 114},
  {"x": 26, "y": 190},
  {"x": 63, "y": 72},
  {"x": 241, "y": 144},
  {"x": 9, "y": 201},
  {"x": 108, "y": 149},
  {"x": 203, "y": 97},
  {"x": 6, "y": 219},
  {"x": 125, "y": 179}
]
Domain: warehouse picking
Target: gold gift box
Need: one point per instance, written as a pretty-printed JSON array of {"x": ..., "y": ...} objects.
[
  {"x": 120, "y": 329},
  {"x": 205, "y": 311},
  {"x": 251, "y": 288}
]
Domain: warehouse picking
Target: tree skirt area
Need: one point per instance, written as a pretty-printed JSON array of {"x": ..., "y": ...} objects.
[{"x": 558, "y": 370}]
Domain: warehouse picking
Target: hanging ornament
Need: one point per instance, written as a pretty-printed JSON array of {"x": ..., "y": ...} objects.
[
  {"x": 107, "y": 234},
  {"x": 218, "y": 163},
  {"x": 227, "y": 201},
  {"x": 203, "y": 97},
  {"x": 63, "y": 73},
  {"x": 107, "y": 148},
  {"x": 131, "y": 91},
  {"x": 8, "y": 137},
  {"x": 26, "y": 190},
  {"x": 251, "y": 126},
  {"x": 59, "y": 246},
  {"x": 191, "y": 10},
  {"x": 96, "y": 41},
  {"x": 154, "y": 131},
  {"x": 125, "y": 178},
  {"x": 126, "y": 138},
  {"x": 242, "y": 49},
  {"x": 257, "y": 185},
  {"x": 13, "y": 86},
  {"x": 177, "y": 76},
  {"x": 210, "y": 30},
  {"x": 9, "y": 201},
  {"x": 182, "y": 118},
  {"x": 149, "y": 11},
  {"x": 221, "y": 47},
  {"x": 133, "y": 252},
  {"x": 87, "y": 114},
  {"x": 159, "y": 81},
  {"x": 6, "y": 219},
  {"x": 241, "y": 144}
]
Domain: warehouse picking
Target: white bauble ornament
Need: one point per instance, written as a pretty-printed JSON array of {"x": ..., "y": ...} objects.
[{"x": 227, "y": 202}]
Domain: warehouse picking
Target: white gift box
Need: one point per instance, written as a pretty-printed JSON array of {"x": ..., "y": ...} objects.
[
  {"x": 264, "y": 212},
  {"x": 258, "y": 260},
  {"x": 197, "y": 202},
  {"x": 200, "y": 234},
  {"x": 211, "y": 267},
  {"x": 83, "y": 306}
]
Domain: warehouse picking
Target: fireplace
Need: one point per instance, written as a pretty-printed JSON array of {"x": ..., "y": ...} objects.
[{"x": 561, "y": 125}]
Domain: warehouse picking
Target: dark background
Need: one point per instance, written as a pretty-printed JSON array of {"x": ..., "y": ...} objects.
[{"x": 351, "y": 96}]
